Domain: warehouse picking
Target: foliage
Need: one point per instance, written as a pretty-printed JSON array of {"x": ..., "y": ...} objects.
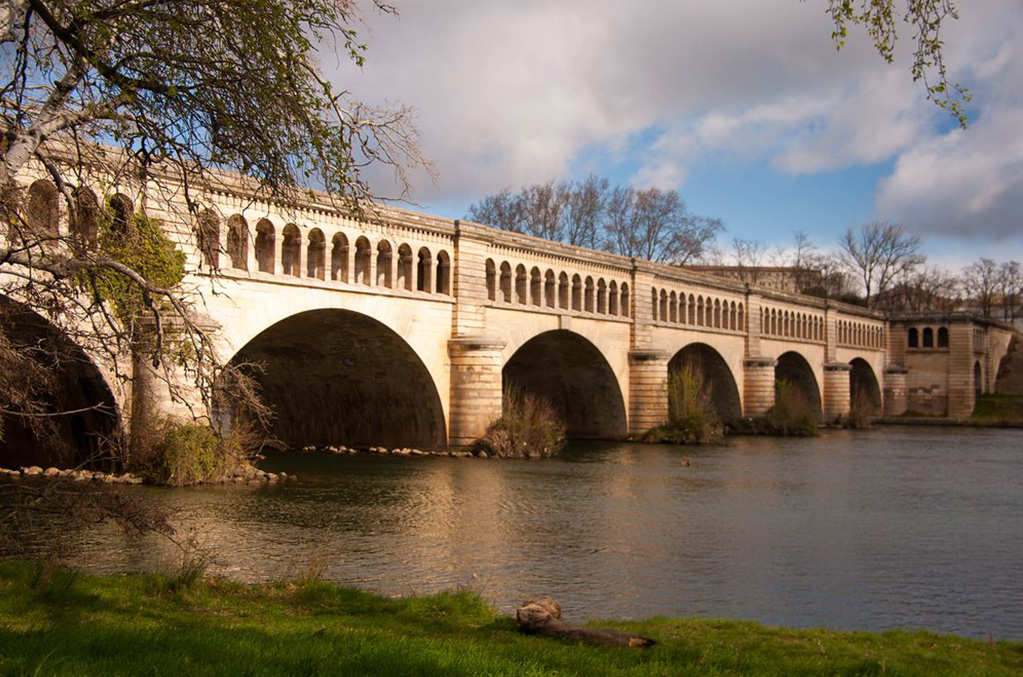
[
  {"x": 691, "y": 415},
  {"x": 862, "y": 411},
  {"x": 791, "y": 416},
  {"x": 529, "y": 427},
  {"x": 651, "y": 224},
  {"x": 188, "y": 98},
  {"x": 992, "y": 408},
  {"x": 183, "y": 90},
  {"x": 142, "y": 246},
  {"x": 881, "y": 20},
  {"x": 92, "y": 626},
  {"x": 183, "y": 454}
]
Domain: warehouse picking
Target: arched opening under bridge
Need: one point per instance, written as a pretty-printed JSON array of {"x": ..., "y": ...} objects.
[
  {"x": 78, "y": 419},
  {"x": 793, "y": 369},
  {"x": 707, "y": 365},
  {"x": 571, "y": 373},
  {"x": 337, "y": 377},
  {"x": 864, "y": 390}
]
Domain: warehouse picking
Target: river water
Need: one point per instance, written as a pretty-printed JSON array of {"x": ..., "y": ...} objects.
[{"x": 857, "y": 530}]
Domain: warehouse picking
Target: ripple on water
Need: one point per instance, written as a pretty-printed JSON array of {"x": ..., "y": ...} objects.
[{"x": 853, "y": 530}]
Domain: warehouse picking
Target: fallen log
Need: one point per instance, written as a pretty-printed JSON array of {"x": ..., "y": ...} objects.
[{"x": 543, "y": 616}]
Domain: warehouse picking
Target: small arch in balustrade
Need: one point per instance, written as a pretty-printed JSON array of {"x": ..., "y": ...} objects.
[
  {"x": 238, "y": 242},
  {"x": 506, "y": 282},
  {"x": 443, "y": 273},
  {"x": 42, "y": 211},
  {"x": 85, "y": 226},
  {"x": 550, "y": 289},
  {"x": 266, "y": 236},
  {"x": 385, "y": 264},
  {"x": 535, "y": 287},
  {"x": 928, "y": 341},
  {"x": 588, "y": 299},
  {"x": 564, "y": 291},
  {"x": 405, "y": 279},
  {"x": 316, "y": 255},
  {"x": 626, "y": 301},
  {"x": 612, "y": 298},
  {"x": 291, "y": 250},
  {"x": 521, "y": 284},
  {"x": 207, "y": 235},
  {"x": 943, "y": 337},
  {"x": 363, "y": 261},
  {"x": 491, "y": 275},
  {"x": 577, "y": 292},
  {"x": 424, "y": 270},
  {"x": 339, "y": 257},
  {"x": 122, "y": 212}
]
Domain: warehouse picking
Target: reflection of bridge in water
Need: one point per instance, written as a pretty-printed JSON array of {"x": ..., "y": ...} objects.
[{"x": 401, "y": 330}]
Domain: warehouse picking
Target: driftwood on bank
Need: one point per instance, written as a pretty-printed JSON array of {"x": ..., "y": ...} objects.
[{"x": 543, "y": 616}]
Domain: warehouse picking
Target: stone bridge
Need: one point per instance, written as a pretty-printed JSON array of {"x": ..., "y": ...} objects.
[{"x": 401, "y": 328}]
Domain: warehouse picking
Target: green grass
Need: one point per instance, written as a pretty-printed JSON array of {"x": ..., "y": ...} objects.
[
  {"x": 150, "y": 625},
  {"x": 999, "y": 408}
]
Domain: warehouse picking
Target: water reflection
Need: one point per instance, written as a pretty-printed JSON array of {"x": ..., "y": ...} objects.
[{"x": 854, "y": 530}]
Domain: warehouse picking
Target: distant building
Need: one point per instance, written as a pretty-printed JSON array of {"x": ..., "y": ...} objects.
[{"x": 788, "y": 279}]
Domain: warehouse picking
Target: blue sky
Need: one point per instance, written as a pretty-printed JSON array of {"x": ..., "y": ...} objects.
[{"x": 744, "y": 106}]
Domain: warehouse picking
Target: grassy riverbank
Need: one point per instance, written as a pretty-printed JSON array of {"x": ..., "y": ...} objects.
[{"x": 84, "y": 625}]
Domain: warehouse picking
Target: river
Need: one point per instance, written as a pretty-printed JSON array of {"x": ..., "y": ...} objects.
[{"x": 855, "y": 530}]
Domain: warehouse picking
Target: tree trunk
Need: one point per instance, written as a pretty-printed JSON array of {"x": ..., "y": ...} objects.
[{"x": 543, "y": 616}]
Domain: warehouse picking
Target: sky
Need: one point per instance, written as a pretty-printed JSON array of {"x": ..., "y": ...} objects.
[{"x": 743, "y": 106}]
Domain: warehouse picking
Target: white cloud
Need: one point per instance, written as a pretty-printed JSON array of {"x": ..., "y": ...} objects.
[
  {"x": 511, "y": 93},
  {"x": 962, "y": 184}
]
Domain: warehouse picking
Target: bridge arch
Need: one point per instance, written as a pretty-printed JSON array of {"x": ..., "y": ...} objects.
[
  {"x": 573, "y": 375},
  {"x": 338, "y": 376},
  {"x": 793, "y": 368},
  {"x": 864, "y": 389},
  {"x": 717, "y": 377},
  {"x": 78, "y": 386}
]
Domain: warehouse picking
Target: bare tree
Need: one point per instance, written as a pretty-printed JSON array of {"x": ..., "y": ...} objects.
[
  {"x": 921, "y": 289},
  {"x": 651, "y": 224},
  {"x": 1010, "y": 287},
  {"x": 877, "y": 253},
  {"x": 500, "y": 210},
  {"x": 543, "y": 210},
  {"x": 540, "y": 209},
  {"x": 749, "y": 256},
  {"x": 654, "y": 224},
  {"x": 587, "y": 203},
  {"x": 981, "y": 284}
]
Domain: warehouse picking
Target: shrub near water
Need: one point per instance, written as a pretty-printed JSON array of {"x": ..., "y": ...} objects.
[
  {"x": 529, "y": 427},
  {"x": 191, "y": 453},
  {"x": 791, "y": 416},
  {"x": 691, "y": 415}
]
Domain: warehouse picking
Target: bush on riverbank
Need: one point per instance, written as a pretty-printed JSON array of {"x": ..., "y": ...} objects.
[
  {"x": 862, "y": 411},
  {"x": 183, "y": 454},
  {"x": 994, "y": 408},
  {"x": 791, "y": 416},
  {"x": 529, "y": 427},
  {"x": 691, "y": 415},
  {"x": 83, "y": 625}
]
